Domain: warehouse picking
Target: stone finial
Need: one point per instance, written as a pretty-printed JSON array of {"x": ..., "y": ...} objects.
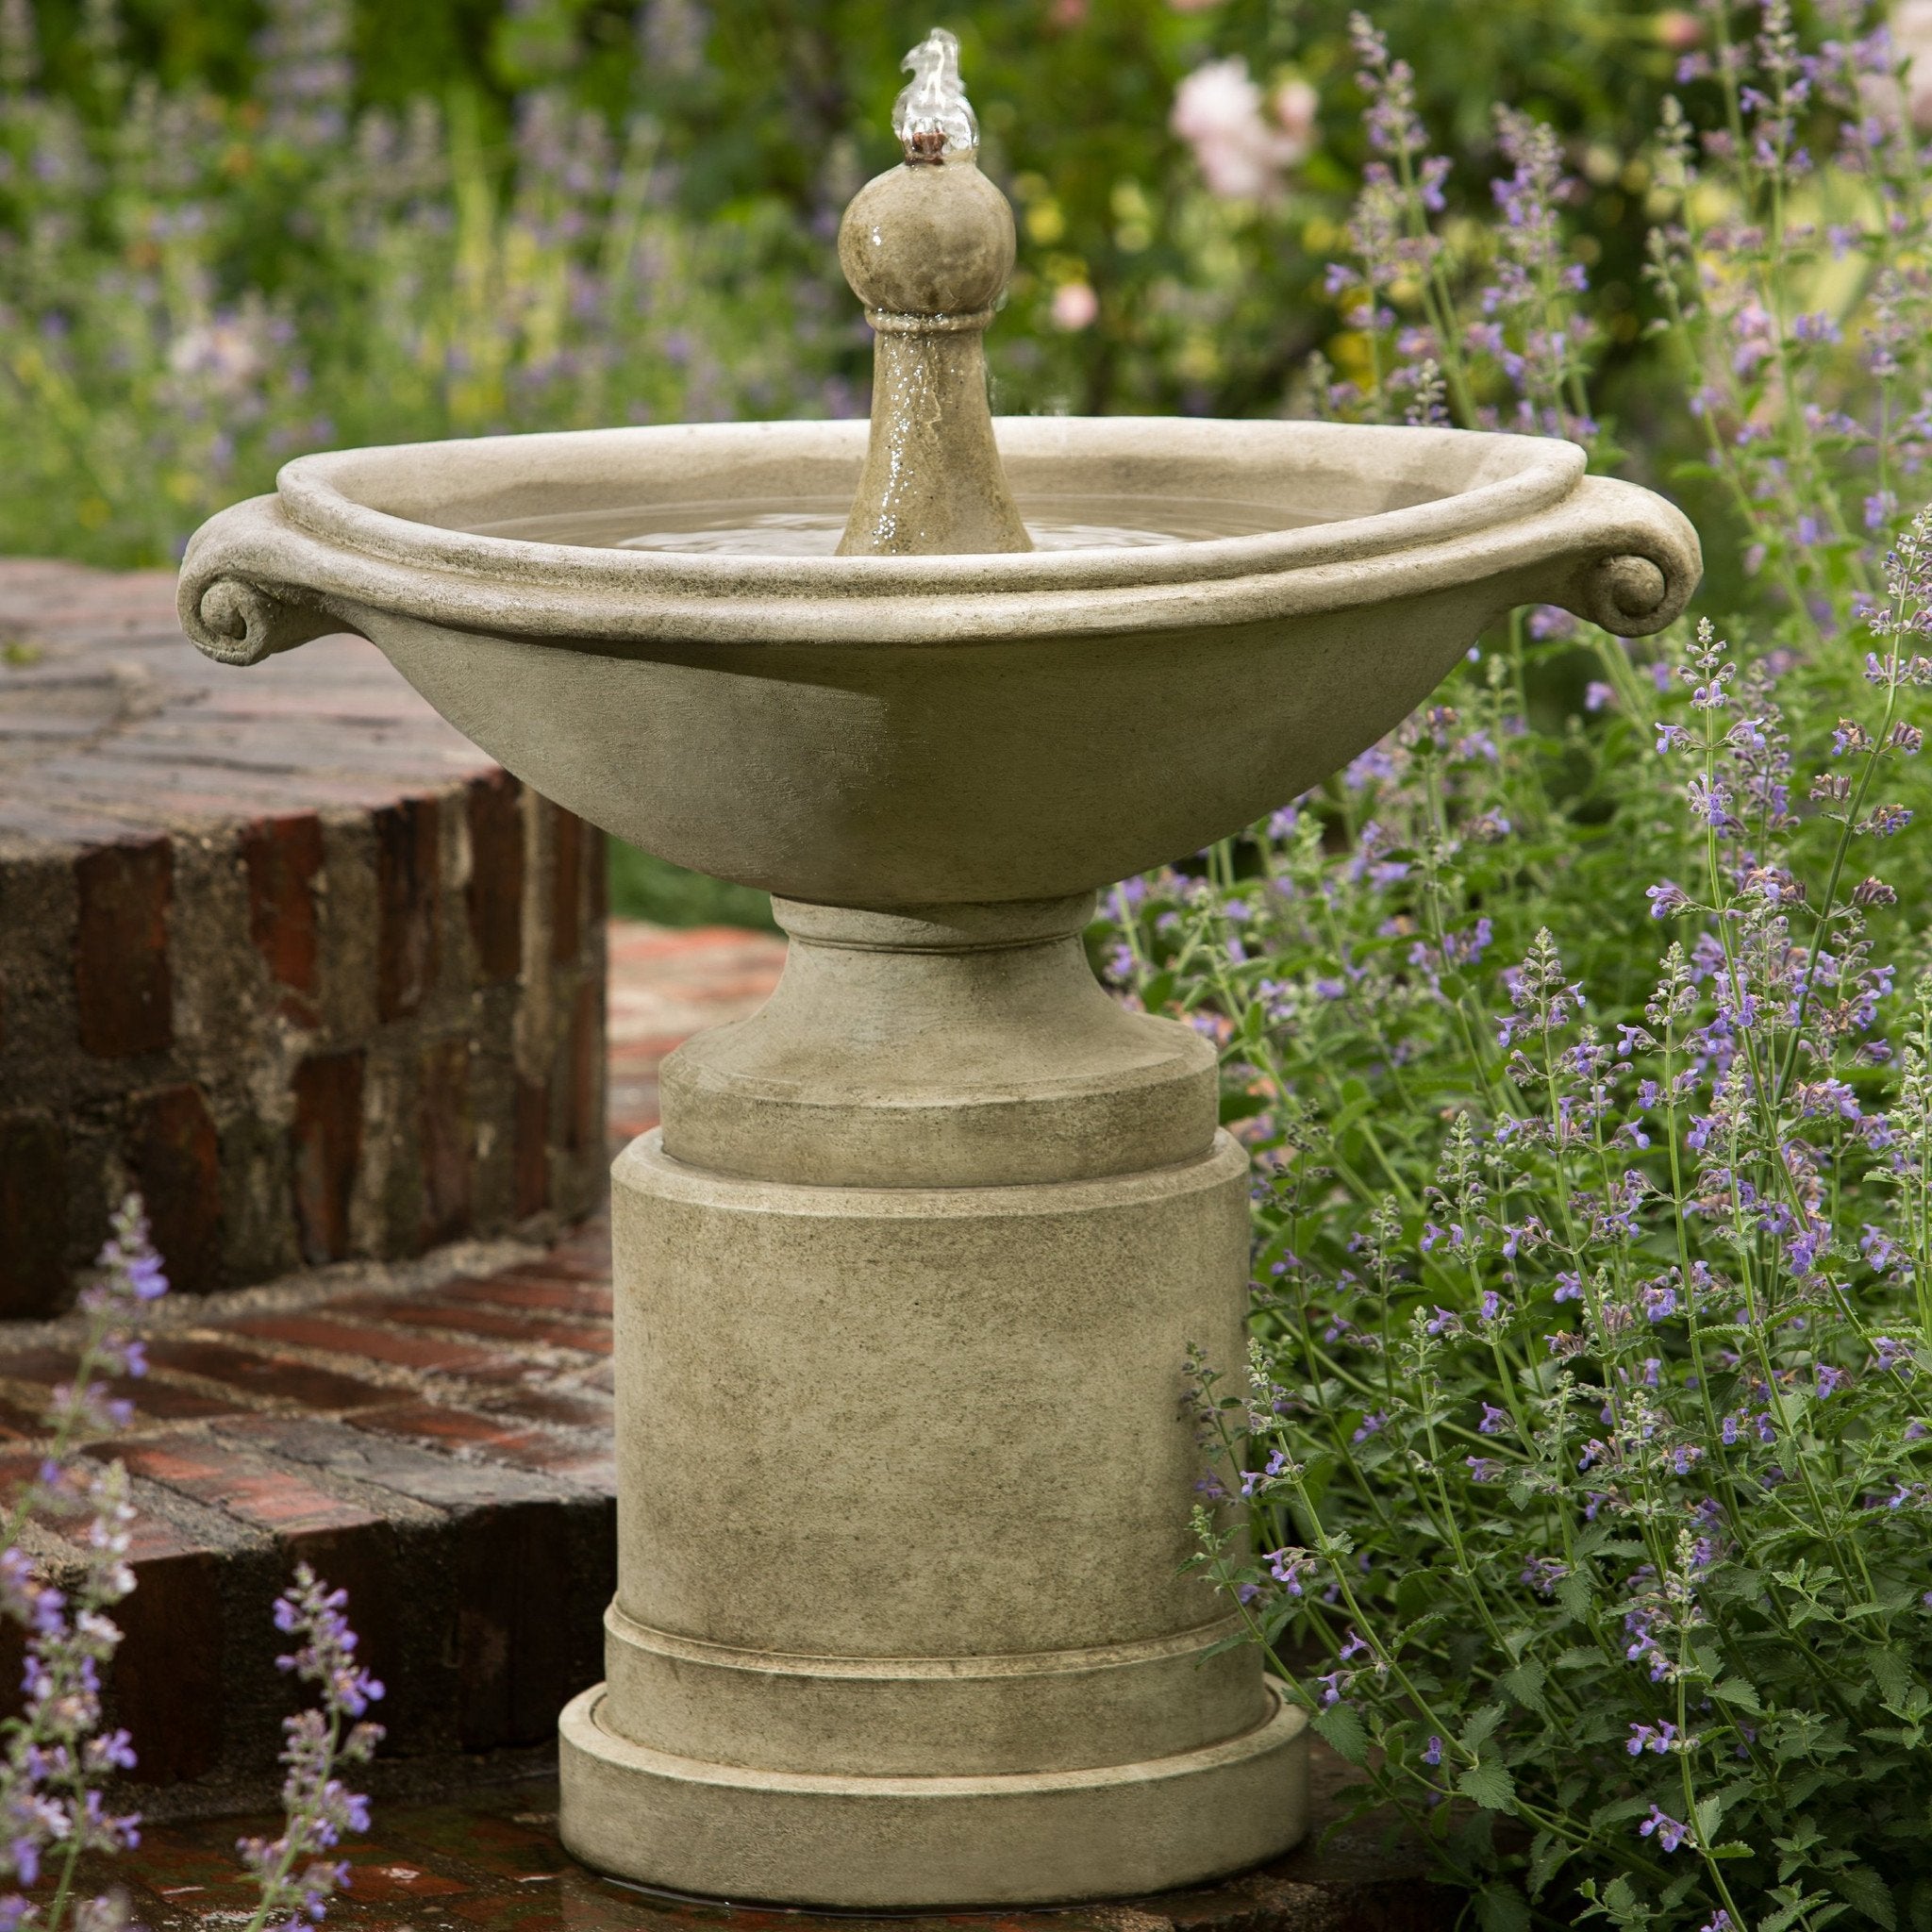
[{"x": 928, "y": 248}]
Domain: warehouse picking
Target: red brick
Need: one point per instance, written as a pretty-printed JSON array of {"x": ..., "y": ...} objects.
[
  {"x": 530, "y": 1606},
  {"x": 168, "y": 1682},
  {"x": 584, "y": 1248},
  {"x": 436, "y": 1422},
  {"x": 496, "y": 875},
  {"x": 584, "y": 1117},
  {"x": 329, "y": 1147},
  {"x": 446, "y": 1134},
  {"x": 407, "y": 878},
  {"x": 275, "y": 1499},
  {"x": 560, "y": 1408},
  {"x": 175, "y": 1157},
  {"x": 432, "y": 1312},
  {"x": 528, "y": 1289},
  {"x": 566, "y": 884},
  {"x": 122, "y": 988},
  {"x": 275, "y": 1377},
  {"x": 153, "y": 1399},
  {"x": 427, "y": 1352},
  {"x": 532, "y": 1148},
  {"x": 282, "y": 858},
  {"x": 33, "y": 1215}
]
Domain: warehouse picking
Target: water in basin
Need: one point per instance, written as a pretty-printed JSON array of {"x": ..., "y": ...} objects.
[{"x": 810, "y": 526}]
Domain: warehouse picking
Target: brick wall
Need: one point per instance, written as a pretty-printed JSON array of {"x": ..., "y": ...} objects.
[{"x": 277, "y": 947}]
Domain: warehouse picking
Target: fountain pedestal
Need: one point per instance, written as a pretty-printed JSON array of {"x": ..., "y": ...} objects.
[{"x": 905, "y": 1285}]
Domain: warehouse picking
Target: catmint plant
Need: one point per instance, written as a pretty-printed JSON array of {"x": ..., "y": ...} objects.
[
  {"x": 297, "y": 1874},
  {"x": 1586, "y": 1442},
  {"x": 57, "y": 1756}
]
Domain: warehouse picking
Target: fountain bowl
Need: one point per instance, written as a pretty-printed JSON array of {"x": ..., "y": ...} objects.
[{"x": 899, "y": 731}]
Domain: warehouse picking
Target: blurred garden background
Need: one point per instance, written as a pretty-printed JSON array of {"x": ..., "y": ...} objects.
[{"x": 236, "y": 230}]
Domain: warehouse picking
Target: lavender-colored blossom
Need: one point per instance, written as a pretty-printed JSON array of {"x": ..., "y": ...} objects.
[{"x": 1670, "y": 1832}]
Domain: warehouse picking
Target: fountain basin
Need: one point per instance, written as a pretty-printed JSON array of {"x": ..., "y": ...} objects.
[
  {"x": 894, "y": 731},
  {"x": 908, "y": 1281}
]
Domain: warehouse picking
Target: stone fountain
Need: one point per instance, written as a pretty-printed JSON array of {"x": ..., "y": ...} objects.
[{"x": 907, "y": 1279}]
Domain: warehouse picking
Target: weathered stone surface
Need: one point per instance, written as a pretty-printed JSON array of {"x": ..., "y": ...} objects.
[{"x": 285, "y": 952}]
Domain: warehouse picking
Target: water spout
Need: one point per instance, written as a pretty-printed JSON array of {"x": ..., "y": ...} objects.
[
  {"x": 932, "y": 116},
  {"x": 928, "y": 248}
]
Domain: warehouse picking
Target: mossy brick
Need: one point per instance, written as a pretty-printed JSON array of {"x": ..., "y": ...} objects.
[
  {"x": 282, "y": 858},
  {"x": 122, "y": 984},
  {"x": 494, "y": 889},
  {"x": 228, "y": 887},
  {"x": 408, "y": 876},
  {"x": 174, "y": 1157},
  {"x": 568, "y": 838},
  {"x": 446, "y": 1139},
  {"x": 329, "y": 1149},
  {"x": 33, "y": 1213}
]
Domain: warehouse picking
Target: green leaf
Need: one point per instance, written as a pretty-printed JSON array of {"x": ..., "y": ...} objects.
[
  {"x": 1711, "y": 1814},
  {"x": 1502, "y": 1908},
  {"x": 1573, "y": 1593},
  {"x": 1733, "y": 1848},
  {"x": 1736, "y": 1690},
  {"x": 1489, "y": 1785},
  {"x": 1892, "y": 1675},
  {"x": 1525, "y": 1684},
  {"x": 1478, "y": 1730},
  {"x": 1340, "y": 1728},
  {"x": 1868, "y": 1893}
]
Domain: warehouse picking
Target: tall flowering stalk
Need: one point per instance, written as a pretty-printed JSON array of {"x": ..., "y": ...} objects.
[
  {"x": 57, "y": 1756},
  {"x": 57, "y": 1760},
  {"x": 297, "y": 1876}
]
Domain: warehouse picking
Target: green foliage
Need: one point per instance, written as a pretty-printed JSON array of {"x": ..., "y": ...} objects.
[
  {"x": 228, "y": 235},
  {"x": 643, "y": 886}
]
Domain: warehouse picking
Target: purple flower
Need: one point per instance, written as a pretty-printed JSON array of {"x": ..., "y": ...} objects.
[
  {"x": 1288, "y": 1567},
  {"x": 1433, "y": 1754},
  {"x": 1831, "y": 1380},
  {"x": 1667, "y": 899},
  {"x": 1670, "y": 1832}
]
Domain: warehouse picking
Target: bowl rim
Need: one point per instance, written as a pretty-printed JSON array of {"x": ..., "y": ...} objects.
[{"x": 1516, "y": 478}]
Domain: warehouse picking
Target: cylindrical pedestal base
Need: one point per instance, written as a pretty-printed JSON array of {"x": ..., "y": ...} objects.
[
  {"x": 1043, "y": 1838},
  {"x": 906, "y": 1289}
]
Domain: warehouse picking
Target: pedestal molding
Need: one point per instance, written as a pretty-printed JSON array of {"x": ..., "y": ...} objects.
[
  {"x": 705, "y": 1186},
  {"x": 1028, "y": 1663},
  {"x": 1114, "y": 1831}
]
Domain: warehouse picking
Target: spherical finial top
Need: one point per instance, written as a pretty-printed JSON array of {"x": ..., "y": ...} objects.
[
  {"x": 928, "y": 241},
  {"x": 934, "y": 237}
]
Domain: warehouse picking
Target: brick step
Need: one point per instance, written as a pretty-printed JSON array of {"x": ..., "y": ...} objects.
[{"x": 438, "y": 1441}]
